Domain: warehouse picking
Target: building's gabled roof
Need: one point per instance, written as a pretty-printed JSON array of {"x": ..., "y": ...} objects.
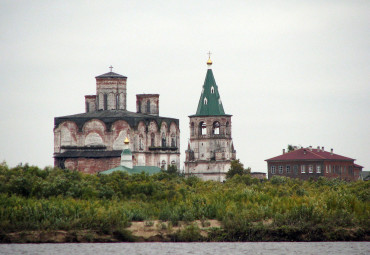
[
  {"x": 210, "y": 102},
  {"x": 309, "y": 154},
  {"x": 110, "y": 75},
  {"x": 135, "y": 170}
]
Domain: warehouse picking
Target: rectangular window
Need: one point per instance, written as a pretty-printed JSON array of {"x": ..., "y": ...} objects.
[
  {"x": 288, "y": 169},
  {"x": 273, "y": 169},
  {"x": 295, "y": 168},
  {"x": 327, "y": 169},
  {"x": 303, "y": 169},
  {"x": 310, "y": 169},
  {"x": 105, "y": 101},
  {"x": 318, "y": 169},
  {"x": 280, "y": 169}
]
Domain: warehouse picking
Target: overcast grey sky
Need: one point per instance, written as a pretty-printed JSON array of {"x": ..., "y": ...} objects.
[{"x": 290, "y": 72}]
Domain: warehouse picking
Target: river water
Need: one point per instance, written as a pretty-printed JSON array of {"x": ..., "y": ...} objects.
[{"x": 190, "y": 248}]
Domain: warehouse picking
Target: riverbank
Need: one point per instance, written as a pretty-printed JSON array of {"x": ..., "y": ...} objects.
[{"x": 197, "y": 231}]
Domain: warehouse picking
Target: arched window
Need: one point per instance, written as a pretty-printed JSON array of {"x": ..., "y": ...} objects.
[
  {"x": 117, "y": 101},
  {"x": 227, "y": 128},
  {"x": 192, "y": 128},
  {"x": 141, "y": 145},
  {"x": 163, "y": 140},
  {"x": 105, "y": 101},
  {"x": 173, "y": 140},
  {"x": 152, "y": 139},
  {"x": 173, "y": 162},
  {"x": 212, "y": 90},
  {"x": 216, "y": 128},
  {"x": 205, "y": 100},
  {"x": 163, "y": 165},
  {"x": 202, "y": 128},
  {"x": 148, "y": 106}
]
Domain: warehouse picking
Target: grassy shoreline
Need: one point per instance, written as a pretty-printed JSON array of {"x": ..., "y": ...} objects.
[{"x": 37, "y": 204}]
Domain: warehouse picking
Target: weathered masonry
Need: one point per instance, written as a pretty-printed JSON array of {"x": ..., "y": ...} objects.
[
  {"x": 210, "y": 149},
  {"x": 93, "y": 141}
]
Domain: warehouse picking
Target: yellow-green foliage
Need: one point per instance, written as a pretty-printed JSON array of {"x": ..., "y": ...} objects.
[{"x": 33, "y": 198}]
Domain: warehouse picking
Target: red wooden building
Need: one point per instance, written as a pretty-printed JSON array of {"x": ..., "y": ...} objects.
[{"x": 305, "y": 163}]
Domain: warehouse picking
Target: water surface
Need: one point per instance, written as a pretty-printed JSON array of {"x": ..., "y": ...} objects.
[{"x": 190, "y": 248}]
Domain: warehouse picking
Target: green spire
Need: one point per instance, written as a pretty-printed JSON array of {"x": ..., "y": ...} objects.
[{"x": 210, "y": 101}]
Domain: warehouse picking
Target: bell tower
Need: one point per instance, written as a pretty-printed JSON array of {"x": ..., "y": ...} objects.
[{"x": 210, "y": 149}]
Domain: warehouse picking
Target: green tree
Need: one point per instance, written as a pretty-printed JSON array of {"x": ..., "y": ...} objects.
[
  {"x": 237, "y": 168},
  {"x": 172, "y": 169},
  {"x": 290, "y": 148}
]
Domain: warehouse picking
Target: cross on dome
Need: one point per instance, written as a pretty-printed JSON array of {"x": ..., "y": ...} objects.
[
  {"x": 209, "y": 62},
  {"x": 111, "y": 67}
]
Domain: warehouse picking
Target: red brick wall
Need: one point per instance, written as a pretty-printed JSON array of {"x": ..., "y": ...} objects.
[
  {"x": 91, "y": 165},
  {"x": 342, "y": 170},
  {"x": 298, "y": 174}
]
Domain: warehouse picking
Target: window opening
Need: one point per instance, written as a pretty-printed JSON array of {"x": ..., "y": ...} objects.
[
  {"x": 148, "y": 106},
  {"x": 173, "y": 141},
  {"x": 192, "y": 128},
  {"x": 216, "y": 128},
  {"x": 203, "y": 128},
  {"x": 212, "y": 90},
  {"x": 205, "y": 100},
  {"x": 273, "y": 169},
  {"x": 303, "y": 169},
  {"x": 141, "y": 146},
  {"x": 152, "y": 139},
  {"x": 105, "y": 101},
  {"x": 117, "y": 101},
  {"x": 287, "y": 169},
  {"x": 310, "y": 169},
  {"x": 163, "y": 140},
  {"x": 280, "y": 169}
]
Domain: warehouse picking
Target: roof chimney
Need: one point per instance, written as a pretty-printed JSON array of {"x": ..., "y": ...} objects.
[
  {"x": 331, "y": 151},
  {"x": 322, "y": 148},
  {"x": 283, "y": 151},
  {"x": 318, "y": 148},
  {"x": 304, "y": 151},
  {"x": 310, "y": 148}
]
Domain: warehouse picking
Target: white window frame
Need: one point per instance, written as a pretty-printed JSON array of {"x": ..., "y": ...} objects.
[
  {"x": 310, "y": 169},
  {"x": 303, "y": 169},
  {"x": 327, "y": 169},
  {"x": 287, "y": 169},
  {"x": 318, "y": 169},
  {"x": 281, "y": 170},
  {"x": 273, "y": 169}
]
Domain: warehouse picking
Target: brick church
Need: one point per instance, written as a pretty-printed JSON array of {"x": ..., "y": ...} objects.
[{"x": 93, "y": 141}]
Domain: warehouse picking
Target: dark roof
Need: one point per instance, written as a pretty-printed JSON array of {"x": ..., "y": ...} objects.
[
  {"x": 308, "y": 154},
  {"x": 210, "y": 102},
  {"x": 358, "y": 166},
  {"x": 110, "y": 75},
  {"x": 88, "y": 154},
  {"x": 110, "y": 116}
]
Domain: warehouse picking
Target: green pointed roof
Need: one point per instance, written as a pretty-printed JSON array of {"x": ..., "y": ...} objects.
[{"x": 210, "y": 101}]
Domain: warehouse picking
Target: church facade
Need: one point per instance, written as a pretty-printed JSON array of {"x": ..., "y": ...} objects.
[
  {"x": 210, "y": 148},
  {"x": 93, "y": 141}
]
